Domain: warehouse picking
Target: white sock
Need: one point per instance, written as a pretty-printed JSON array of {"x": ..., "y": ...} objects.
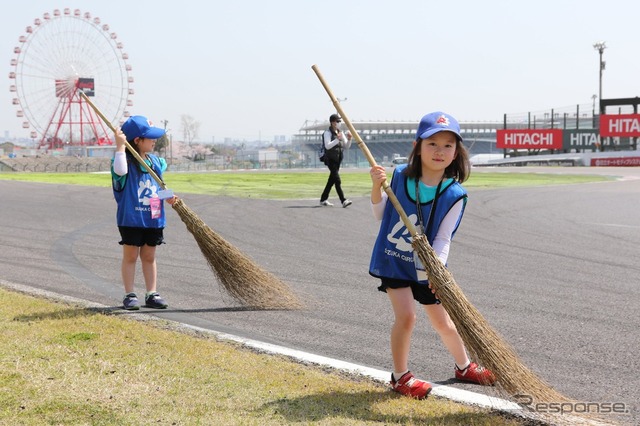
[
  {"x": 397, "y": 376},
  {"x": 466, "y": 365}
]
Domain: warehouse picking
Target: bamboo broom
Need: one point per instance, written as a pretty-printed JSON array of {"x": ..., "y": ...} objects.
[
  {"x": 480, "y": 339},
  {"x": 240, "y": 276}
]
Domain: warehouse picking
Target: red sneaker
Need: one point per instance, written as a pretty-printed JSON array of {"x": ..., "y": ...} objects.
[
  {"x": 410, "y": 386},
  {"x": 476, "y": 374}
]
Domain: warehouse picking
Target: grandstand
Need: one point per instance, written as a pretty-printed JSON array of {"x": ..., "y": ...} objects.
[{"x": 387, "y": 140}]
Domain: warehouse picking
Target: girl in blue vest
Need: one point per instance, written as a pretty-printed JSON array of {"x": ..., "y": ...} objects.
[
  {"x": 429, "y": 190},
  {"x": 140, "y": 214}
]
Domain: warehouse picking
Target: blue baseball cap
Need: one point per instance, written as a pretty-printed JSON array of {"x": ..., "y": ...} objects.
[
  {"x": 436, "y": 122},
  {"x": 138, "y": 126}
]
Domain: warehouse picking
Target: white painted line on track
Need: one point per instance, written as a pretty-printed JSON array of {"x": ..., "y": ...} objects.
[{"x": 458, "y": 395}]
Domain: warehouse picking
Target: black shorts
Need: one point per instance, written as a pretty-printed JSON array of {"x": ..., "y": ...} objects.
[
  {"x": 139, "y": 237},
  {"x": 421, "y": 292}
]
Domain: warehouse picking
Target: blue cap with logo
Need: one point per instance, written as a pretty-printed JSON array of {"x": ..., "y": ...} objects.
[
  {"x": 138, "y": 126},
  {"x": 436, "y": 122}
]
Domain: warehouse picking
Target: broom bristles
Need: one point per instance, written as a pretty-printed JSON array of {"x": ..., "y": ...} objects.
[
  {"x": 239, "y": 275},
  {"x": 485, "y": 345},
  {"x": 480, "y": 339}
]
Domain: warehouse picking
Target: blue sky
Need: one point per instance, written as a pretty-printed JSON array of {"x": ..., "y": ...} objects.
[{"x": 243, "y": 68}]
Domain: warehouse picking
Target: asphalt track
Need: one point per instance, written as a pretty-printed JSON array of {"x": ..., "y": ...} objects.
[{"x": 555, "y": 269}]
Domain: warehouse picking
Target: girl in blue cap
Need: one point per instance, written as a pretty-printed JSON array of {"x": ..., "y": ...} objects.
[
  {"x": 140, "y": 213},
  {"x": 429, "y": 190}
]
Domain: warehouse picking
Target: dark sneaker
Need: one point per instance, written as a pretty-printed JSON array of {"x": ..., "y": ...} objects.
[
  {"x": 410, "y": 386},
  {"x": 346, "y": 203},
  {"x": 155, "y": 301},
  {"x": 130, "y": 302},
  {"x": 476, "y": 374}
]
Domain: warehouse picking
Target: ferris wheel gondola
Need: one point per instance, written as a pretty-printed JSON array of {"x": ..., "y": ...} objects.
[{"x": 61, "y": 53}]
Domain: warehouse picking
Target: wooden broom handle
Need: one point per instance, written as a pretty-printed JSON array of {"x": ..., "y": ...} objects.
[
  {"x": 392, "y": 197},
  {"x": 127, "y": 144}
]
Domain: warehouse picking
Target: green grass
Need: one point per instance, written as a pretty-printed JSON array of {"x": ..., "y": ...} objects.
[
  {"x": 292, "y": 185},
  {"x": 68, "y": 365}
]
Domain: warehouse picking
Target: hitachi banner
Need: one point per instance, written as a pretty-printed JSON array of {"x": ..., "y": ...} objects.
[
  {"x": 581, "y": 139},
  {"x": 623, "y": 125},
  {"x": 529, "y": 139}
]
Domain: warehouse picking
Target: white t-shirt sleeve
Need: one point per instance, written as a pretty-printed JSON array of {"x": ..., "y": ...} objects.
[
  {"x": 442, "y": 241},
  {"x": 378, "y": 209},
  {"x": 120, "y": 164}
]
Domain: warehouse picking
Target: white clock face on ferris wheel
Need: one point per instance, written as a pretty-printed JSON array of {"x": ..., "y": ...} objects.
[{"x": 59, "y": 54}]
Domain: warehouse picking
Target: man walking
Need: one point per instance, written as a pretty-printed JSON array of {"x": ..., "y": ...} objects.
[{"x": 335, "y": 141}]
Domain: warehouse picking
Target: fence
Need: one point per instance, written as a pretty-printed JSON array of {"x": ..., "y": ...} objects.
[{"x": 570, "y": 117}]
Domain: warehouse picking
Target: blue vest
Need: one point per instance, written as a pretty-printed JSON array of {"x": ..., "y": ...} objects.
[
  {"x": 392, "y": 253},
  {"x": 133, "y": 191}
]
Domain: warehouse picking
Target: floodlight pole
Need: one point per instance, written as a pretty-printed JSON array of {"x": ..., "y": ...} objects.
[{"x": 600, "y": 46}]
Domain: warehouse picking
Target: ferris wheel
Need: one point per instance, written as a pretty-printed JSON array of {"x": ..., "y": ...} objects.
[{"x": 61, "y": 53}]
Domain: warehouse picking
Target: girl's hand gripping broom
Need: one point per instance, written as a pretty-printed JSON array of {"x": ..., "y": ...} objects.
[
  {"x": 239, "y": 275},
  {"x": 481, "y": 340}
]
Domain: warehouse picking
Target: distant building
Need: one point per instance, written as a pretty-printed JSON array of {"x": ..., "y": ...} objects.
[
  {"x": 268, "y": 157},
  {"x": 7, "y": 148}
]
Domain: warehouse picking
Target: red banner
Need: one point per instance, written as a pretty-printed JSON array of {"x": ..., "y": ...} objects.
[
  {"x": 623, "y": 125},
  {"x": 529, "y": 139}
]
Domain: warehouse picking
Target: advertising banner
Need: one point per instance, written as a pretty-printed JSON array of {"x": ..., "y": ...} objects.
[
  {"x": 529, "y": 139},
  {"x": 622, "y": 125},
  {"x": 616, "y": 162},
  {"x": 580, "y": 139}
]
